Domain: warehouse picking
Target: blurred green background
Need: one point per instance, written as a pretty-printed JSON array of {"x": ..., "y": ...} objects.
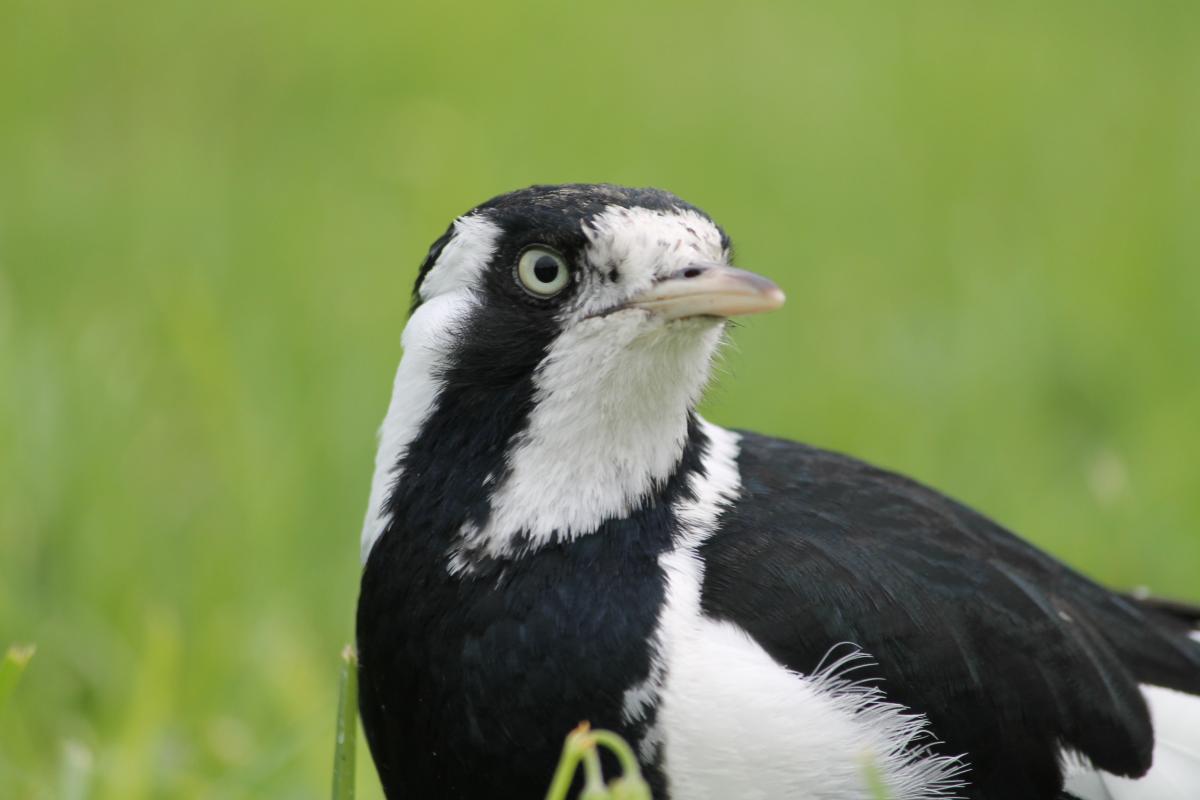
[{"x": 985, "y": 217}]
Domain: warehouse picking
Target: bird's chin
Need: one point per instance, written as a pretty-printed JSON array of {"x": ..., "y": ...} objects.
[
  {"x": 652, "y": 318},
  {"x": 636, "y": 324},
  {"x": 698, "y": 323},
  {"x": 640, "y": 329}
]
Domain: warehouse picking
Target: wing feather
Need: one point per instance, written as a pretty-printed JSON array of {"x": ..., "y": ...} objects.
[{"x": 1011, "y": 655}]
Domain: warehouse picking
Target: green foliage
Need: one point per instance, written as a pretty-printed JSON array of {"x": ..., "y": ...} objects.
[{"x": 211, "y": 214}]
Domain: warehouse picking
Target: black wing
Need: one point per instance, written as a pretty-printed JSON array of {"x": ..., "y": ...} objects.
[{"x": 1010, "y": 654}]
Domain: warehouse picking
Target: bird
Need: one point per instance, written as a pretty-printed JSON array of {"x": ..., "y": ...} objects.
[{"x": 554, "y": 534}]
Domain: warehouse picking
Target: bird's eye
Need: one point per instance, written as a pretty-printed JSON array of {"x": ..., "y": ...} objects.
[{"x": 542, "y": 272}]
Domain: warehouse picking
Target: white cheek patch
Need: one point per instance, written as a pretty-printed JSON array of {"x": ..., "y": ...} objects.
[
  {"x": 464, "y": 258},
  {"x": 427, "y": 342},
  {"x": 628, "y": 248}
]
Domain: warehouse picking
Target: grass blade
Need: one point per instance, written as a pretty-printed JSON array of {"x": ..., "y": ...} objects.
[{"x": 347, "y": 727}]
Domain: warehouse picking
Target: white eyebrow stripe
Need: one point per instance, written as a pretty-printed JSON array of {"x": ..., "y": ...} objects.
[
  {"x": 462, "y": 261},
  {"x": 428, "y": 340}
]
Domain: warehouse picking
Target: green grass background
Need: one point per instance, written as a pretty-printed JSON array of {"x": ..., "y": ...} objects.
[{"x": 985, "y": 217}]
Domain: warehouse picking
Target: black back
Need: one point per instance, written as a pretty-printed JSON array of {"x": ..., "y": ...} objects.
[{"x": 1009, "y": 653}]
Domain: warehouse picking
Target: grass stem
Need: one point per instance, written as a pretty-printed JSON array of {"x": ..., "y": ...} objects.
[{"x": 347, "y": 727}]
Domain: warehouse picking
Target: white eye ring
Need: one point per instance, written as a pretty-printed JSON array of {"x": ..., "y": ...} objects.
[{"x": 542, "y": 272}]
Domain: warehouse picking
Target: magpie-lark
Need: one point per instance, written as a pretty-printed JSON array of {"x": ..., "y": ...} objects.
[{"x": 555, "y": 535}]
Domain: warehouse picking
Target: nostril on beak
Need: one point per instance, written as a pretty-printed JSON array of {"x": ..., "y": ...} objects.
[{"x": 693, "y": 272}]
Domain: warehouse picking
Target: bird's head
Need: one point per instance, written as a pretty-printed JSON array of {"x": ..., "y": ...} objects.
[
  {"x": 588, "y": 274},
  {"x": 578, "y": 318}
]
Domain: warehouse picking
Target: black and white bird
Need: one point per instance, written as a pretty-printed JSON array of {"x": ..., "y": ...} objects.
[{"x": 555, "y": 535}]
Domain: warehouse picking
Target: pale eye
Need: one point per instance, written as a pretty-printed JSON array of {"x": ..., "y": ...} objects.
[{"x": 542, "y": 271}]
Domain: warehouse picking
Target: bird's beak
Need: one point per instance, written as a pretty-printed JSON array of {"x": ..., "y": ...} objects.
[{"x": 708, "y": 289}]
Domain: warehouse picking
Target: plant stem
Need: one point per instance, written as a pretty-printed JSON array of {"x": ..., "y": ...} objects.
[
  {"x": 347, "y": 726},
  {"x": 623, "y": 752},
  {"x": 573, "y": 749}
]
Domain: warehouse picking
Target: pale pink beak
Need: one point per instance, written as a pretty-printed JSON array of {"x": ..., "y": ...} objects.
[{"x": 710, "y": 290}]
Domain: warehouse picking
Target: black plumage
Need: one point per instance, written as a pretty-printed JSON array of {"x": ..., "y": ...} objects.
[{"x": 470, "y": 678}]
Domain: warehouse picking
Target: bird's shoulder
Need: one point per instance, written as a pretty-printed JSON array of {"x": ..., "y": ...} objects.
[{"x": 988, "y": 636}]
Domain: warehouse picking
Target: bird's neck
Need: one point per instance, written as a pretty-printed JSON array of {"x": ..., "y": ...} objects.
[{"x": 591, "y": 436}]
